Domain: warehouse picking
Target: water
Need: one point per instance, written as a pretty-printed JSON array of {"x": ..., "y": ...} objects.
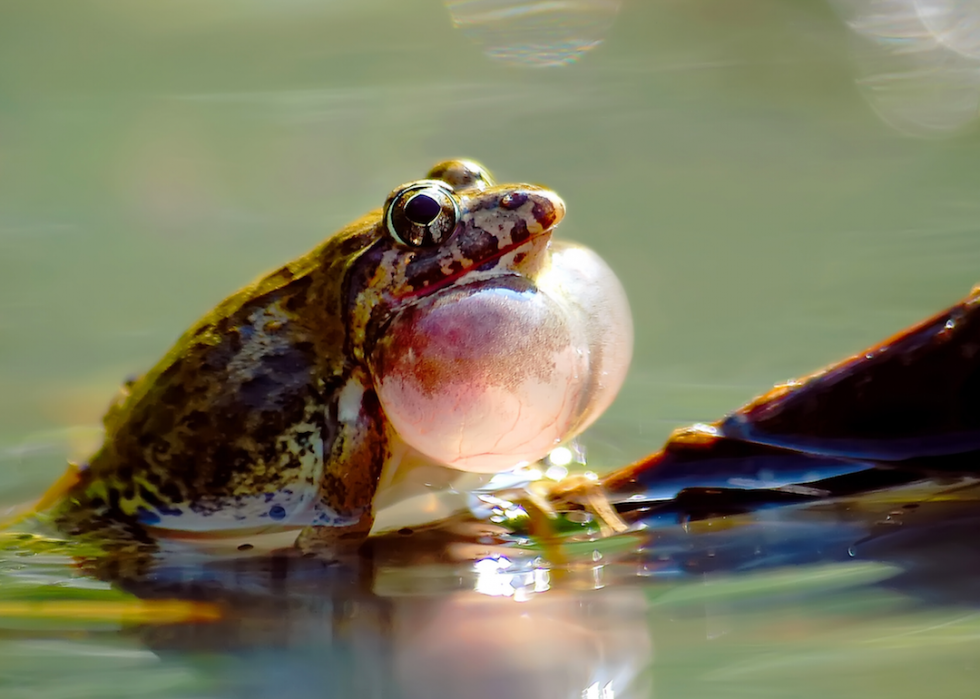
[{"x": 778, "y": 184}]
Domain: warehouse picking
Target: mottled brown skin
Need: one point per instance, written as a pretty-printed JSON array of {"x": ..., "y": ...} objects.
[{"x": 267, "y": 402}]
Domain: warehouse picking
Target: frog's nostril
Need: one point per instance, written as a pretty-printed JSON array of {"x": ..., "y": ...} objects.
[{"x": 513, "y": 200}]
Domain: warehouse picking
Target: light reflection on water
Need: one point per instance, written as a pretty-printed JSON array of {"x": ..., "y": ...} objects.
[
  {"x": 918, "y": 61},
  {"x": 832, "y": 600},
  {"x": 539, "y": 34},
  {"x": 764, "y": 219}
]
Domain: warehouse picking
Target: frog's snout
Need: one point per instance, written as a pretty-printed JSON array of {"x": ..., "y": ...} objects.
[{"x": 547, "y": 207}]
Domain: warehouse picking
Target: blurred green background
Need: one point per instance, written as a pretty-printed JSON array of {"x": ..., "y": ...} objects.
[
  {"x": 778, "y": 183},
  {"x": 764, "y": 217}
]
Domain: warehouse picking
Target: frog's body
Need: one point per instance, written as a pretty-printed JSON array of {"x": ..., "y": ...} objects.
[
  {"x": 265, "y": 414},
  {"x": 240, "y": 422}
]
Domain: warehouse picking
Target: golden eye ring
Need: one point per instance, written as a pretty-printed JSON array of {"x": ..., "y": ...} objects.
[{"x": 422, "y": 214}]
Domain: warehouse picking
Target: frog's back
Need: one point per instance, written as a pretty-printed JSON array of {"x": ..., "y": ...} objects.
[{"x": 228, "y": 430}]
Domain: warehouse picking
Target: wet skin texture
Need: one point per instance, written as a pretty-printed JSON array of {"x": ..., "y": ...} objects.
[{"x": 263, "y": 414}]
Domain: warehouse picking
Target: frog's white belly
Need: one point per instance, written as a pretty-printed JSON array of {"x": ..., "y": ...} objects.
[{"x": 265, "y": 511}]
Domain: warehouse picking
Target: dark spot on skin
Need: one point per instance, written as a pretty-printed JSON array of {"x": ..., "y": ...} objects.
[
  {"x": 96, "y": 503},
  {"x": 277, "y": 512},
  {"x": 114, "y": 500},
  {"x": 425, "y": 275},
  {"x": 125, "y": 473},
  {"x": 270, "y": 426},
  {"x": 406, "y": 531},
  {"x": 227, "y": 460},
  {"x": 513, "y": 200},
  {"x": 518, "y": 234},
  {"x": 173, "y": 396},
  {"x": 139, "y": 534},
  {"x": 478, "y": 244},
  {"x": 197, "y": 420},
  {"x": 149, "y": 497},
  {"x": 519, "y": 257},
  {"x": 258, "y": 391},
  {"x": 337, "y": 487},
  {"x": 544, "y": 215},
  {"x": 278, "y": 378},
  {"x": 245, "y": 547},
  {"x": 284, "y": 274},
  {"x": 289, "y": 364},
  {"x": 294, "y": 303},
  {"x": 171, "y": 491},
  {"x": 235, "y": 341}
]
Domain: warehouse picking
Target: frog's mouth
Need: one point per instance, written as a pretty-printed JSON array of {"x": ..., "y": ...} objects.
[{"x": 521, "y": 259}]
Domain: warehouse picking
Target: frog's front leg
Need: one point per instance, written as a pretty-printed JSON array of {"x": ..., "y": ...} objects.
[{"x": 344, "y": 512}]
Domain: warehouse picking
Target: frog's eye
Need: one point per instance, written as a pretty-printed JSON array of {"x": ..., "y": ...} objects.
[{"x": 422, "y": 214}]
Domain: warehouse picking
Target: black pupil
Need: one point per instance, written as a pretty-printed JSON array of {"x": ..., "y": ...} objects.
[{"x": 422, "y": 209}]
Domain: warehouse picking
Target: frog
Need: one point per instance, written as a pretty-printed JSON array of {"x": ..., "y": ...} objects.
[{"x": 278, "y": 411}]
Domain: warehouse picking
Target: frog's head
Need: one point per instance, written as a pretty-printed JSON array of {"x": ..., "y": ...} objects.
[
  {"x": 456, "y": 226},
  {"x": 451, "y": 229},
  {"x": 483, "y": 351}
]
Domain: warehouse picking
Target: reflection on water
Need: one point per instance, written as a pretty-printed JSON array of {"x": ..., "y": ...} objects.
[
  {"x": 918, "y": 61},
  {"x": 542, "y": 33},
  {"x": 330, "y": 639},
  {"x": 841, "y": 600}
]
